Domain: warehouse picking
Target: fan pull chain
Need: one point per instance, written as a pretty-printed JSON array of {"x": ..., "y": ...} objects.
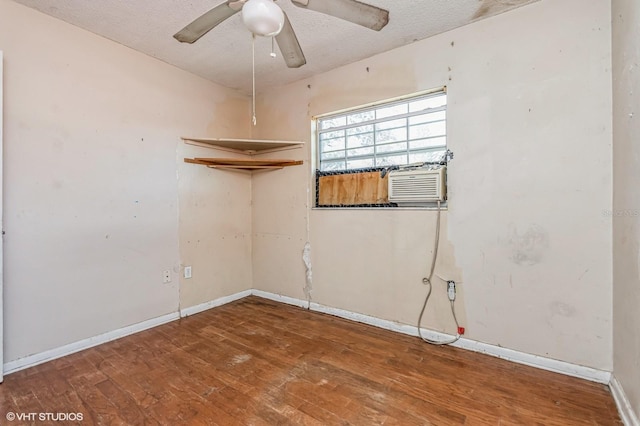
[
  {"x": 253, "y": 75},
  {"x": 273, "y": 50}
]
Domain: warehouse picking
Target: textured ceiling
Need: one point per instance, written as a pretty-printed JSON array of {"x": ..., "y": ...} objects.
[{"x": 224, "y": 54}]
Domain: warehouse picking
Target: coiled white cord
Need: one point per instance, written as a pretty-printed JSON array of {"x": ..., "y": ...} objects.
[{"x": 427, "y": 281}]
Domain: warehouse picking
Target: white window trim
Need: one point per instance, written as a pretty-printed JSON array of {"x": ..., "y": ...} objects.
[{"x": 372, "y": 105}]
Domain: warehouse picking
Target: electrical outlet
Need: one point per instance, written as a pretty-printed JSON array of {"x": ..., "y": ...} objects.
[
  {"x": 451, "y": 290},
  {"x": 166, "y": 276},
  {"x": 187, "y": 272}
]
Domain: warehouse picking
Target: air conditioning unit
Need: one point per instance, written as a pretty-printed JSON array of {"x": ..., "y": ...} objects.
[{"x": 417, "y": 187}]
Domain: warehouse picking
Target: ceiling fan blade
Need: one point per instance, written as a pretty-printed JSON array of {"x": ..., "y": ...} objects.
[
  {"x": 350, "y": 10},
  {"x": 289, "y": 46},
  {"x": 192, "y": 32}
]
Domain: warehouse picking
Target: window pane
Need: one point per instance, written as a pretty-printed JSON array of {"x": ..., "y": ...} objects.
[
  {"x": 391, "y": 111},
  {"x": 331, "y": 144},
  {"x": 392, "y": 147},
  {"x": 359, "y": 129},
  {"x": 391, "y": 160},
  {"x": 431, "y": 102},
  {"x": 360, "y": 164},
  {"x": 428, "y": 156},
  {"x": 360, "y": 117},
  {"x": 428, "y": 117},
  {"x": 420, "y": 131},
  {"x": 428, "y": 143},
  {"x": 392, "y": 124},
  {"x": 330, "y": 165},
  {"x": 332, "y": 135},
  {"x": 333, "y": 155},
  {"x": 394, "y": 135},
  {"x": 360, "y": 152},
  {"x": 364, "y": 139},
  {"x": 328, "y": 123}
]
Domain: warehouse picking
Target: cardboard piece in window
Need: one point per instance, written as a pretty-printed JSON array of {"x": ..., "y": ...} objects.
[{"x": 353, "y": 189}]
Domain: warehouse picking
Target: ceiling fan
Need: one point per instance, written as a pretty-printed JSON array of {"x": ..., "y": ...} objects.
[{"x": 265, "y": 18}]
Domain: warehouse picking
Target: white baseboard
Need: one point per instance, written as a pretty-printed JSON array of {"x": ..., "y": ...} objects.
[
  {"x": 507, "y": 354},
  {"x": 42, "y": 357},
  {"x": 280, "y": 298},
  {"x": 51, "y": 354},
  {"x": 213, "y": 303},
  {"x": 627, "y": 415},
  {"x": 543, "y": 363}
]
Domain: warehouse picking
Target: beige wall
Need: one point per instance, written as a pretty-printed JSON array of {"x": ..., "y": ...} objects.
[
  {"x": 626, "y": 199},
  {"x": 529, "y": 122},
  {"x": 215, "y": 227},
  {"x": 215, "y": 211},
  {"x": 91, "y": 140},
  {"x": 94, "y": 212}
]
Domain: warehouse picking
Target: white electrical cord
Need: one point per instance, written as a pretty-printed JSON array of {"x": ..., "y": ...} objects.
[{"x": 427, "y": 281}]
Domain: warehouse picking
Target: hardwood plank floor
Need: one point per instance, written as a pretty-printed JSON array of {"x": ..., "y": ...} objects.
[{"x": 257, "y": 362}]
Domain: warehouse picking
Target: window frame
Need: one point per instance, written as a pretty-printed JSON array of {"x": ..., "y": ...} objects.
[
  {"x": 377, "y": 205},
  {"x": 405, "y": 99}
]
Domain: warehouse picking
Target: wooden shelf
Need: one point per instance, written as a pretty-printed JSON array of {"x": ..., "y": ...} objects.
[
  {"x": 247, "y": 147},
  {"x": 244, "y": 146},
  {"x": 242, "y": 164}
]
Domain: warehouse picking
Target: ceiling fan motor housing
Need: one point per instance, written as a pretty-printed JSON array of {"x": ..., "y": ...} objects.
[{"x": 263, "y": 17}]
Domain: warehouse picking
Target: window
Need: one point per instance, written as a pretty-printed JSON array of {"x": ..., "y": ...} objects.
[{"x": 395, "y": 133}]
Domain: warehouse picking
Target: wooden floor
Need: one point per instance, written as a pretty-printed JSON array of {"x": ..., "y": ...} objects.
[{"x": 258, "y": 362}]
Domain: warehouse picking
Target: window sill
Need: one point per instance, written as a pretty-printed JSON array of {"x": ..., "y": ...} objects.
[{"x": 429, "y": 208}]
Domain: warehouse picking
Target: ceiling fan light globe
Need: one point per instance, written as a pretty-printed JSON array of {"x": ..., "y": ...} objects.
[{"x": 263, "y": 17}]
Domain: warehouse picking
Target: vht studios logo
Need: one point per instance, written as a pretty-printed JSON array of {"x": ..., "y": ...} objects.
[{"x": 44, "y": 417}]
